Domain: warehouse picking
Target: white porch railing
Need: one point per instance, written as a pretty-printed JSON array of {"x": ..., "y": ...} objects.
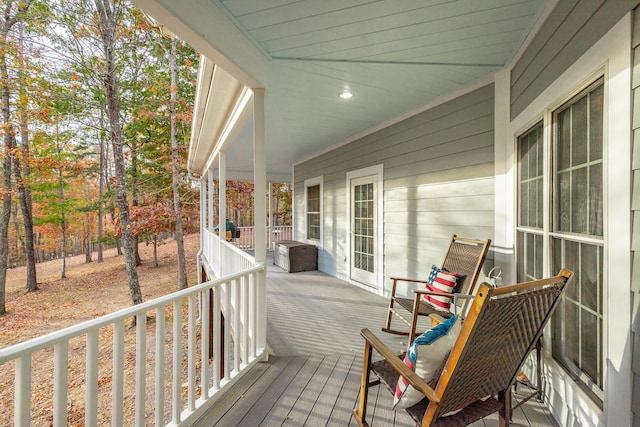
[
  {"x": 171, "y": 381},
  {"x": 246, "y": 241}
]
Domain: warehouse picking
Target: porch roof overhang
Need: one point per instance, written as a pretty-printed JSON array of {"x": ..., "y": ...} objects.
[{"x": 394, "y": 57}]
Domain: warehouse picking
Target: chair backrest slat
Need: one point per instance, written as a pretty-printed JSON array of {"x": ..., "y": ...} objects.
[{"x": 466, "y": 257}]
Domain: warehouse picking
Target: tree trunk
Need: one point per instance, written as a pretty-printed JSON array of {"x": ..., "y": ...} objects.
[
  {"x": 155, "y": 250},
  {"x": 5, "y": 216},
  {"x": 107, "y": 25},
  {"x": 134, "y": 195},
  {"x": 175, "y": 178},
  {"x": 63, "y": 224},
  {"x": 87, "y": 228},
  {"x": 101, "y": 179},
  {"x": 24, "y": 191}
]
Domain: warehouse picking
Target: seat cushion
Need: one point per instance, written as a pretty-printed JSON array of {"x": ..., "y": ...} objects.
[{"x": 426, "y": 357}]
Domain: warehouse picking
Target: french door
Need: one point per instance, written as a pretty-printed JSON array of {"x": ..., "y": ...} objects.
[{"x": 363, "y": 230}]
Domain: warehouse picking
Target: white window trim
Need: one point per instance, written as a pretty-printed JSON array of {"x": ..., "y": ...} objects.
[
  {"x": 612, "y": 53},
  {"x": 378, "y": 171},
  {"x": 319, "y": 180}
]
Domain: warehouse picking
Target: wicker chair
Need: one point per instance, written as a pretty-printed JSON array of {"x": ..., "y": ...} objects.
[
  {"x": 465, "y": 257},
  {"x": 500, "y": 330}
]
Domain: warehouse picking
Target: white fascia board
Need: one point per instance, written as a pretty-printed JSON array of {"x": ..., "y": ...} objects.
[{"x": 208, "y": 30}]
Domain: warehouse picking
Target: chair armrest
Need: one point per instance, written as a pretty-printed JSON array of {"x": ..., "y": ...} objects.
[
  {"x": 436, "y": 319},
  {"x": 434, "y": 293},
  {"x": 408, "y": 280},
  {"x": 398, "y": 365}
]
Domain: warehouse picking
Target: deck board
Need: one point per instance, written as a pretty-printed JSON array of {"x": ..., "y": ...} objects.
[{"x": 313, "y": 376}]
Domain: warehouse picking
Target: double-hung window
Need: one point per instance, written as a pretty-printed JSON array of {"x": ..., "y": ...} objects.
[
  {"x": 313, "y": 207},
  {"x": 560, "y": 220}
]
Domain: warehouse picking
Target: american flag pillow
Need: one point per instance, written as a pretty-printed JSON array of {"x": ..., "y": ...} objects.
[
  {"x": 426, "y": 356},
  {"x": 445, "y": 281}
]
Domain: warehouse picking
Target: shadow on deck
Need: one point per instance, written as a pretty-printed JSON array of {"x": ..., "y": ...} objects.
[{"x": 313, "y": 375}]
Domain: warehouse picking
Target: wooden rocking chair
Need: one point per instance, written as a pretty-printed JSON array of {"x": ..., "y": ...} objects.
[
  {"x": 465, "y": 257},
  {"x": 501, "y": 329}
]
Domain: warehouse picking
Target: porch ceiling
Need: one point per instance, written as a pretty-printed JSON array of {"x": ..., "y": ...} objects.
[{"x": 394, "y": 56}]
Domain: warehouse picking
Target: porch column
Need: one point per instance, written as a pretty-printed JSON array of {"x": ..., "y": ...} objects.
[
  {"x": 260, "y": 184},
  {"x": 270, "y": 215},
  {"x": 222, "y": 209},
  {"x": 210, "y": 240},
  {"x": 203, "y": 204},
  {"x": 210, "y": 200}
]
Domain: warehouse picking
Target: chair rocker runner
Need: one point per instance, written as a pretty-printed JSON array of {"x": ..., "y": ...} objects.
[
  {"x": 464, "y": 257},
  {"x": 501, "y": 329}
]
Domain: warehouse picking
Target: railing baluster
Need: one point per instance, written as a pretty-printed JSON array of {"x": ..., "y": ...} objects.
[
  {"x": 117, "y": 391},
  {"x": 237, "y": 306},
  {"x": 160, "y": 376},
  {"x": 191, "y": 365},
  {"x": 204, "y": 343},
  {"x": 245, "y": 320},
  {"x": 141, "y": 368},
  {"x": 91, "y": 380},
  {"x": 226, "y": 332},
  {"x": 252, "y": 314},
  {"x": 217, "y": 319},
  {"x": 22, "y": 409},
  {"x": 176, "y": 398},
  {"x": 60, "y": 383}
]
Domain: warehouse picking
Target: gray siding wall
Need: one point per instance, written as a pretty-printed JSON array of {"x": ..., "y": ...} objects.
[
  {"x": 438, "y": 180},
  {"x": 571, "y": 29},
  {"x": 635, "y": 240}
]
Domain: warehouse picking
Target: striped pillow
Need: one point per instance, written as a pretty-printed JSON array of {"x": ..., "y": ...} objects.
[
  {"x": 426, "y": 357},
  {"x": 445, "y": 281}
]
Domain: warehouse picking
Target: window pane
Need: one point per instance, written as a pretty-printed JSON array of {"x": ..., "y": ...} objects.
[
  {"x": 571, "y": 338},
  {"x": 563, "y": 202},
  {"x": 530, "y": 178},
  {"x": 596, "y": 102},
  {"x": 579, "y": 132},
  {"x": 595, "y": 200},
  {"x": 579, "y": 201},
  {"x": 572, "y": 262},
  {"x": 563, "y": 123},
  {"x": 589, "y": 339},
  {"x": 591, "y": 275}
]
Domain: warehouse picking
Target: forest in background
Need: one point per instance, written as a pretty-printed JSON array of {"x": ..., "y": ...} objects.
[{"x": 96, "y": 113}]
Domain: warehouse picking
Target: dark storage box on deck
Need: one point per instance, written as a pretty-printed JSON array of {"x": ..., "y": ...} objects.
[{"x": 295, "y": 256}]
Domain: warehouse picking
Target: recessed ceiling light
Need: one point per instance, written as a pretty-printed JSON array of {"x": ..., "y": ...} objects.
[{"x": 346, "y": 95}]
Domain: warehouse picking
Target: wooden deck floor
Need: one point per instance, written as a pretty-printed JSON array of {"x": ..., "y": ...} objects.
[{"x": 313, "y": 376}]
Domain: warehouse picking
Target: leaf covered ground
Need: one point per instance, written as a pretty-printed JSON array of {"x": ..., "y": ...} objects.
[{"x": 90, "y": 290}]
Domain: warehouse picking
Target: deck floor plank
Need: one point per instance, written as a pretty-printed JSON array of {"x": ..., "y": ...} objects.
[{"x": 313, "y": 376}]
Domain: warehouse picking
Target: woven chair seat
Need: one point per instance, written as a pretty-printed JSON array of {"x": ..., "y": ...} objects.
[
  {"x": 472, "y": 413},
  {"x": 425, "y": 308}
]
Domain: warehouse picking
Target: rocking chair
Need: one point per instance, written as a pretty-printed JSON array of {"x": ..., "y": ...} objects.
[
  {"x": 500, "y": 330},
  {"x": 464, "y": 257}
]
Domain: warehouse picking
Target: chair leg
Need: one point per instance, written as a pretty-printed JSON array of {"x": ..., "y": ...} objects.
[
  {"x": 387, "y": 326},
  {"x": 360, "y": 412},
  {"x": 414, "y": 319},
  {"x": 504, "y": 414},
  {"x": 539, "y": 369}
]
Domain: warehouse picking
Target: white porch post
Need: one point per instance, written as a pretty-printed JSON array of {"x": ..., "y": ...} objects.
[
  {"x": 203, "y": 195},
  {"x": 270, "y": 216},
  {"x": 260, "y": 183},
  {"x": 222, "y": 208},
  {"x": 210, "y": 200},
  {"x": 210, "y": 215}
]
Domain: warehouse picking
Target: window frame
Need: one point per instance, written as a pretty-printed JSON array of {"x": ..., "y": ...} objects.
[
  {"x": 312, "y": 182},
  {"x": 548, "y": 231},
  {"x": 610, "y": 53}
]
